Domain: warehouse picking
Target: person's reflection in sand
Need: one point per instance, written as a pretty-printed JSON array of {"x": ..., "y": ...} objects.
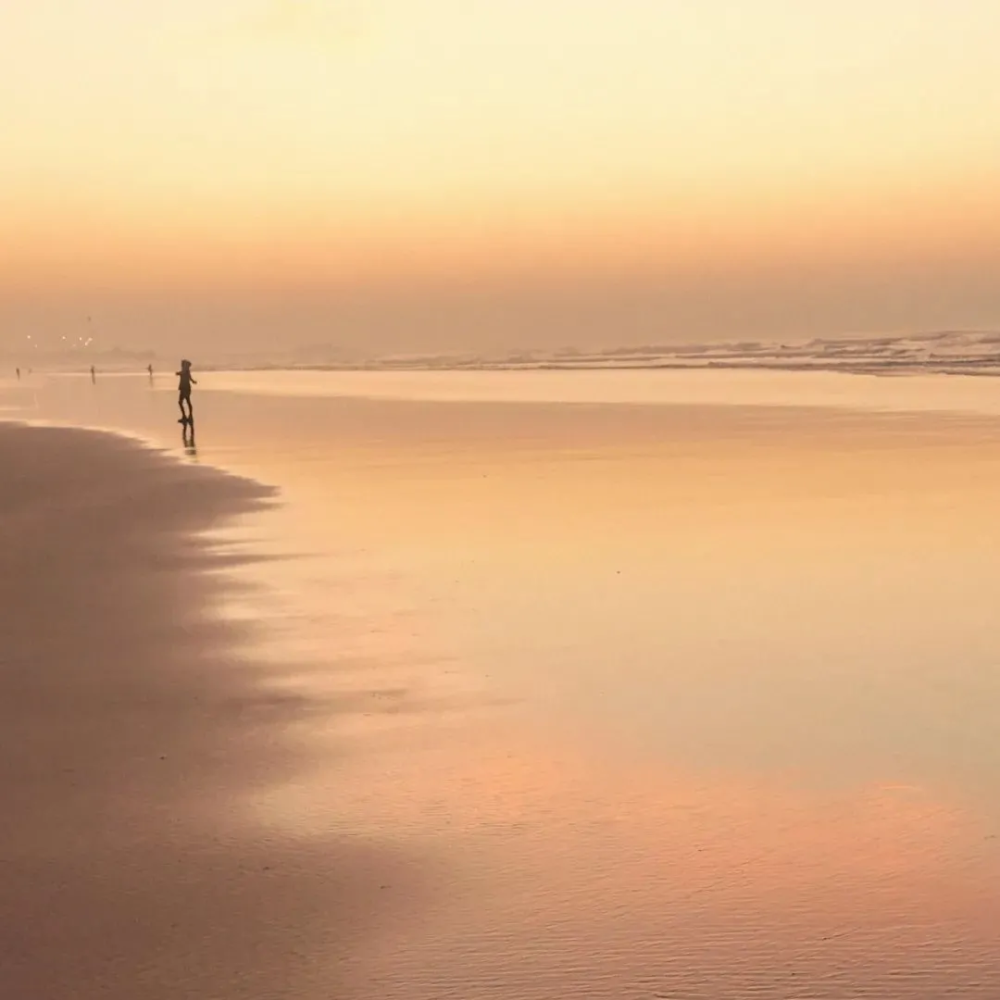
[{"x": 187, "y": 436}]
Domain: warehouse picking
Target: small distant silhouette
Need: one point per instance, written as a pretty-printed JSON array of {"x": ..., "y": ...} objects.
[
  {"x": 18, "y": 370},
  {"x": 93, "y": 374},
  {"x": 149, "y": 368},
  {"x": 184, "y": 394}
]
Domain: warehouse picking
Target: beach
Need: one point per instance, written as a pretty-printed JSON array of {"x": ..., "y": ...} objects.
[{"x": 501, "y": 685}]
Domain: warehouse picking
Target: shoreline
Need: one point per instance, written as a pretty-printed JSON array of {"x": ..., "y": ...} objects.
[{"x": 70, "y": 401}]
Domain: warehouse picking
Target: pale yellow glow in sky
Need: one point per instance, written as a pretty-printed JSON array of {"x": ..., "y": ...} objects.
[{"x": 217, "y": 144}]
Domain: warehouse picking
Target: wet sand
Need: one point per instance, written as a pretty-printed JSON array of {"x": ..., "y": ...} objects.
[
  {"x": 659, "y": 701},
  {"x": 134, "y": 725}
]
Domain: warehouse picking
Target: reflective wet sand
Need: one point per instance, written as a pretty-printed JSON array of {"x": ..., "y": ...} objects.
[{"x": 669, "y": 701}]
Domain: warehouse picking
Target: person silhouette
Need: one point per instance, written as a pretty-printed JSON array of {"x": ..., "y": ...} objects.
[
  {"x": 93, "y": 374},
  {"x": 18, "y": 370},
  {"x": 149, "y": 368},
  {"x": 184, "y": 393}
]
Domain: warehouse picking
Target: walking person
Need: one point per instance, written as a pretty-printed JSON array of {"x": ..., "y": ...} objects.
[{"x": 184, "y": 393}]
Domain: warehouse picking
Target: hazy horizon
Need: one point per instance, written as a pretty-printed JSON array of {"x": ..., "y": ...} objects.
[{"x": 391, "y": 176}]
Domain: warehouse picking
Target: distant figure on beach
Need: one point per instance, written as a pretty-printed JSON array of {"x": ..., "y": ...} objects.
[
  {"x": 184, "y": 393},
  {"x": 18, "y": 370},
  {"x": 93, "y": 374},
  {"x": 149, "y": 368}
]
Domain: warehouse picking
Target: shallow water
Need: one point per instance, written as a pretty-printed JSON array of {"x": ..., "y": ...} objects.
[{"x": 694, "y": 699}]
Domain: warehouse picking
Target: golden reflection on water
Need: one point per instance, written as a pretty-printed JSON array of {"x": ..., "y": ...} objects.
[
  {"x": 567, "y": 872},
  {"x": 743, "y": 678}
]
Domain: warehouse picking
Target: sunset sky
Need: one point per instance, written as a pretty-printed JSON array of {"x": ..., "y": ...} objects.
[{"x": 482, "y": 174}]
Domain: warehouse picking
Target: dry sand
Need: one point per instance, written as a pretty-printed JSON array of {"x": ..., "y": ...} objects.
[{"x": 130, "y": 728}]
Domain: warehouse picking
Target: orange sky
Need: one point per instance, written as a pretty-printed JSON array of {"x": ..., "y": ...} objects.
[{"x": 406, "y": 173}]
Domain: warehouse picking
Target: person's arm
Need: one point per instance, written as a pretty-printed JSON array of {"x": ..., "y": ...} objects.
[{"x": 194, "y": 381}]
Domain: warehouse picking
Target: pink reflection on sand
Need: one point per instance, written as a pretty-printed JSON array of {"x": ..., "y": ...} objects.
[
  {"x": 606, "y": 863},
  {"x": 595, "y": 875}
]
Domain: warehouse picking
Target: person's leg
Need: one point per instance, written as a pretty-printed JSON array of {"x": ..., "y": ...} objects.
[{"x": 180, "y": 403}]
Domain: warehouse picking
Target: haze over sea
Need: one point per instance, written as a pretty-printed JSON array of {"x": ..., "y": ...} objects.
[{"x": 621, "y": 684}]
